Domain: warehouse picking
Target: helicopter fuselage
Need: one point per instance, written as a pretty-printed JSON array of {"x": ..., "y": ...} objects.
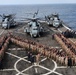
[
  {"x": 7, "y": 21},
  {"x": 33, "y": 29},
  {"x": 53, "y": 20}
]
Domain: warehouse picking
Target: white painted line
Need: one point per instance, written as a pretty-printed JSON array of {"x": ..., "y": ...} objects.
[
  {"x": 17, "y": 62},
  {"x": 62, "y": 67},
  {"x": 44, "y": 68},
  {"x": 56, "y": 47},
  {"x": 72, "y": 41},
  {"x": 12, "y": 55},
  {"x": 25, "y": 70},
  {"x": 59, "y": 30},
  {"x": 16, "y": 48},
  {"x": 55, "y": 65},
  {"x": 53, "y": 71},
  {"x": 18, "y": 57},
  {"x": 1, "y": 32},
  {"x": 22, "y": 74},
  {"x": 60, "y": 49},
  {"x": 67, "y": 27},
  {"x": 42, "y": 56},
  {"x": 25, "y": 60},
  {"x": 7, "y": 69},
  {"x": 43, "y": 60},
  {"x": 35, "y": 64},
  {"x": 20, "y": 32},
  {"x": 15, "y": 66},
  {"x": 53, "y": 30},
  {"x": 36, "y": 70},
  {"x": 25, "y": 57},
  {"x": 58, "y": 73}
]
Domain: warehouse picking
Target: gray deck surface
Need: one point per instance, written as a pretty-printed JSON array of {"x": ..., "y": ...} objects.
[
  {"x": 13, "y": 64},
  {"x": 15, "y": 61}
]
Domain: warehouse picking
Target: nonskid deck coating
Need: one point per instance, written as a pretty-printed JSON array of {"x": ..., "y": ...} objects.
[{"x": 15, "y": 62}]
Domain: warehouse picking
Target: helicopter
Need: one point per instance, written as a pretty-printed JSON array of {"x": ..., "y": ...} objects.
[
  {"x": 34, "y": 28},
  {"x": 7, "y": 21},
  {"x": 53, "y": 20}
]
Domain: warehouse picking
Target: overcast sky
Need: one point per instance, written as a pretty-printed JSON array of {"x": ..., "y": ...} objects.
[{"x": 9, "y": 2}]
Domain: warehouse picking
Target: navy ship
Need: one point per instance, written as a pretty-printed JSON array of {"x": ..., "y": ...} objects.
[{"x": 54, "y": 53}]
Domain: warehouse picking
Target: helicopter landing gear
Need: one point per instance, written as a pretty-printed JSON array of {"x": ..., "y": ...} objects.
[
  {"x": 31, "y": 35},
  {"x": 8, "y": 27},
  {"x": 39, "y": 35}
]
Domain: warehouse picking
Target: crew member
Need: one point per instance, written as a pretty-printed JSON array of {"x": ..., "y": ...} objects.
[
  {"x": 37, "y": 58},
  {"x": 69, "y": 62}
]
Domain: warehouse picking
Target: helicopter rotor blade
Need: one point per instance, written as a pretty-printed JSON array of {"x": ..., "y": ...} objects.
[
  {"x": 23, "y": 20},
  {"x": 0, "y": 15}
]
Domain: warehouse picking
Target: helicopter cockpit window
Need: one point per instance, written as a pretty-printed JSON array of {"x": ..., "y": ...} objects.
[
  {"x": 30, "y": 25},
  {"x": 8, "y": 19},
  {"x": 3, "y": 20},
  {"x": 55, "y": 15},
  {"x": 37, "y": 25},
  {"x": 34, "y": 20},
  {"x": 35, "y": 29}
]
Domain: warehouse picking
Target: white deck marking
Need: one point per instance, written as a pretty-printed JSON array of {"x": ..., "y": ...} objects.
[
  {"x": 59, "y": 30},
  {"x": 56, "y": 47},
  {"x": 15, "y": 66},
  {"x": 44, "y": 68},
  {"x": 17, "y": 57},
  {"x": 1, "y": 32},
  {"x": 24, "y": 70},
  {"x": 53, "y": 71},
  {"x": 20, "y": 32},
  {"x": 36, "y": 69},
  {"x": 67, "y": 27},
  {"x": 53, "y": 30},
  {"x": 25, "y": 60},
  {"x": 72, "y": 41},
  {"x": 57, "y": 73},
  {"x": 13, "y": 55},
  {"x": 43, "y": 60},
  {"x": 16, "y": 48},
  {"x": 62, "y": 67},
  {"x": 7, "y": 69},
  {"x": 27, "y": 68}
]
